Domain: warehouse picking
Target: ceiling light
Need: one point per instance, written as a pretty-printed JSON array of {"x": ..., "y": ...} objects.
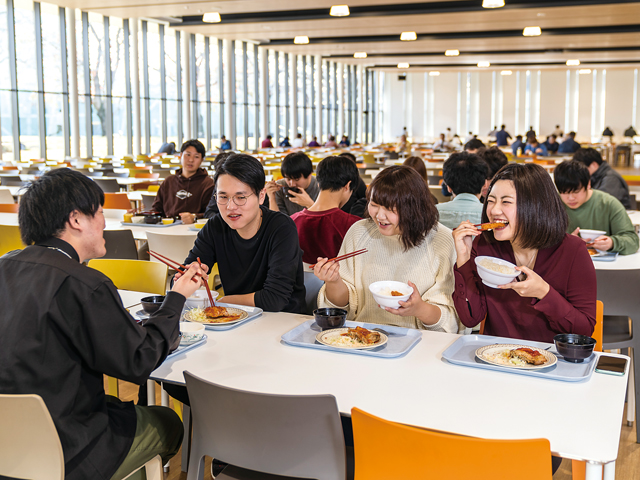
[
  {"x": 573, "y": 63},
  {"x": 339, "y": 11},
  {"x": 492, "y": 3},
  {"x": 532, "y": 31},
  {"x": 403, "y": 65},
  {"x": 434, "y": 74},
  {"x": 484, "y": 64},
  {"x": 301, "y": 40},
  {"x": 506, "y": 72},
  {"x": 360, "y": 55},
  {"x": 408, "y": 36},
  {"x": 211, "y": 17},
  {"x": 452, "y": 53},
  {"x": 584, "y": 71}
]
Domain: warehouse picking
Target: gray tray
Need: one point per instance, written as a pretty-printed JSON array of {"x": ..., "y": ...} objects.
[
  {"x": 401, "y": 340},
  {"x": 184, "y": 348},
  {"x": 463, "y": 352},
  {"x": 254, "y": 312}
]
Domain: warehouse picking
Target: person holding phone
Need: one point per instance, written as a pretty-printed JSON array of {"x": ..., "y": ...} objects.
[{"x": 298, "y": 189}]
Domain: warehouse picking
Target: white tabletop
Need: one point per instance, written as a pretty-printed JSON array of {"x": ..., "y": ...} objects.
[
  {"x": 581, "y": 420},
  {"x": 622, "y": 262}
]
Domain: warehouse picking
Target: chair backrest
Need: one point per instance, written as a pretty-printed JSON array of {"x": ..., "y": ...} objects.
[
  {"x": 116, "y": 200},
  {"x": 175, "y": 247},
  {"x": 120, "y": 244},
  {"x": 8, "y": 207},
  {"x": 5, "y": 196},
  {"x": 108, "y": 185},
  {"x": 598, "y": 329},
  {"x": 415, "y": 453},
  {"x": 10, "y": 239},
  {"x": 312, "y": 285},
  {"x": 297, "y": 436},
  {"x": 30, "y": 444},
  {"x": 136, "y": 275},
  {"x": 147, "y": 201},
  {"x": 12, "y": 181}
]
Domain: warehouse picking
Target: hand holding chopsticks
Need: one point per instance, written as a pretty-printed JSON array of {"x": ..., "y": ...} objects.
[
  {"x": 181, "y": 269},
  {"x": 343, "y": 257}
]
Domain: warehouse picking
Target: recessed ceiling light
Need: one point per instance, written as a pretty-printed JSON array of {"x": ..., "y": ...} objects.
[
  {"x": 584, "y": 71},
  {"x": 339, "y": 11},
  {"x": 360, "y": 55},
  {"x": 532, "y": 31},
  {"x": 452, "y": 53},
  {"x": 403, "y": 65},
  {"x": 573, "y": 63},
  {"x": 408, "y": 36},
  {"x": 434, "y": 74},
  {"x": 506, "y": 72},
  {"x": 301, "y": 40},
  {"x": 484, "y": 64},
  {"x": 540, "y": 14},
  {"x": 211, "y": 17},
  {"x": 492, "y": 3}
]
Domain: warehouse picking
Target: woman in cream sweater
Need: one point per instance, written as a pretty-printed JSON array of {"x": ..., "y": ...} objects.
[{"x": 405, "y": 243}]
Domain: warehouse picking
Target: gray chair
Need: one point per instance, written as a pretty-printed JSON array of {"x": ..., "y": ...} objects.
[
  {"x": 312, "y": 284},
  {"x": 618, "y": 291},
  {"x": 120, "y": 244},
  {"x": 12, "y": 181},
  {"x": 108, "y": 185},
  {"x": 147, "y": 202},
  {"x": 263, "y": 436}
]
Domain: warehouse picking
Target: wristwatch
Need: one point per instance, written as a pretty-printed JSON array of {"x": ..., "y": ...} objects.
[{"x": 195, "y": 217}]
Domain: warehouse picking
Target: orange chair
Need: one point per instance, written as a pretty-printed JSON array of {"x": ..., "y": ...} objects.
[
  {"x": 117, "y": 200},
  {"x": 8, "y": 208},
  {"x": 153, "y": 176},
  {"x": 412, "y": 453}
]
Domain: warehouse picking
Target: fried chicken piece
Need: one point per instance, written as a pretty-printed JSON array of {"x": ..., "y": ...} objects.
[
  {"x": 396, "y": 294},
  {"x": 362, "y": 335},
  {"x": 215, "y": 312},
  {"x": 491, "y": 226},
  {"x": 529, "y": 355},
  {"x": 592, "y": 251}
]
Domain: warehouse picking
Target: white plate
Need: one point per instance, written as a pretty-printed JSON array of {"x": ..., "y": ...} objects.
[
  {"x": 234, "y": 311},
  {"x": 322, "y": 337},
  {"x": 491, "y": 354}
]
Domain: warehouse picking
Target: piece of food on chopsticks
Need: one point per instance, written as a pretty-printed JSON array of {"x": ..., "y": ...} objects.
[
  {"x": 592, "y": 251},
  {"x": 362, "y": 335},
  {"x": 528, "y": 355},
  {"x": 199, "y": 315},
  {"x": 491, "y": 226}
]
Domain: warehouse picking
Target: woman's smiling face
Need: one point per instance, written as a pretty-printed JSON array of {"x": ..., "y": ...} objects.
[
  {"x": 501, "y": 207},
  {"x": 387, "y": 220}
]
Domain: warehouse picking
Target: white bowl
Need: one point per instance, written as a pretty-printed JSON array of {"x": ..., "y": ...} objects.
[
  {"x": 390, "y": 301},
  {"x": 191, "y": 332},
  {"x": 492, "y": 278},
  {"x": 202, "y": 221},
  {"x": 137, "y": 219},
  {"x": 591, "y": 235},
  {"x": 200, "y": 299}
]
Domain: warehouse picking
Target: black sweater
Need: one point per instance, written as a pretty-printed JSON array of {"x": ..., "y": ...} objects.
[{"x": 269, "y": 264}]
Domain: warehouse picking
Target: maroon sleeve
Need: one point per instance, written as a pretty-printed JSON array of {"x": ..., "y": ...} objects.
[
  {"x": 468, "y": 296},
  {"x": 575, "y": 313}
]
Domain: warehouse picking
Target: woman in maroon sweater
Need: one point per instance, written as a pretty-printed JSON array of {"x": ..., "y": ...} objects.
[{"x": 556, "y": 292}]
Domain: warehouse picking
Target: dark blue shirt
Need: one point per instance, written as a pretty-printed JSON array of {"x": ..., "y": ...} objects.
[
  {"x": 226, "y": 145},
  {"x": 501, "y": 137},
  {"x": 568, "y": 146},
  {"x": 551, "y": 147},
  {"x": 516, "y": 145}
]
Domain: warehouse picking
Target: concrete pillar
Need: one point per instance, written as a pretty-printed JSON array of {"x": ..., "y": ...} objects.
[
  {"x": 340, "y": 73},
  {"x": 318, "y": 88},
  {"x": 264, "y": 94},
  {"x": 230, "y": 93},
  {"x": 293, "y": 73},
  {"x": 185, "y": 43},
  {"x": 74, "y": 112}
]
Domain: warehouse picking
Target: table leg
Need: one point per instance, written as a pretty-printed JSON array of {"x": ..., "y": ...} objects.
[
  {"x": 594, "y": 471},
  {"x": 610, "y": 471},
  {"x": 631, "y": 389},
  {"x": 636, "y": 370}
]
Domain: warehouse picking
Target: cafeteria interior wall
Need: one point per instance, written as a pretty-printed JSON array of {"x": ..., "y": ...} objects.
[
  {"x": 619, "y": 101},
  {"x": 552, "y": 100},
  {"x": 394, "y": 108},
  {"x": 484, "y": 102},
  {"x": 445, "y": 103},
  {"x": 509, "y": 86},
  {"x": 417, "y": 107},
  {"x": 585, "y": 108}
]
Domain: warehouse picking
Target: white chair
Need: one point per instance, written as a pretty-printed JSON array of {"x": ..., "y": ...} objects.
[
  {"x": 175, "y": 247},
  {"x": 30, "y": 444},
  {"x": 5, "y": 196}
]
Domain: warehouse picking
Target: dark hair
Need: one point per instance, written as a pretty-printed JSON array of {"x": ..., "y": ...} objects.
[
  {"x": 495, "y": 159},
  {"x": 465, "y": 172},
  {"x": 553, "y": 135},
  {"x": 296, "y": 165},
  {"x": 220, "y": 158},
  {"x": 402, "y": 190},
  {"x": 269, "y": 136},
  {"x": 572, "y": 134},
  {"x": 197, "y": 144},
  {"x": 334, "y": 172},
  {"x": 349, "y": 155},
  {"x": 541, "y": 218},
  {"x": 417, "y": 164},
  {"x": 587, "y": 156},
  {"x": 518, "y": 137},
  {"x": 474, "y": 144},
  {"x": 299, "y": 135},
  {"x": 571, "y": 176},
  {"x": 46, "y": 205},
  {"x": 531, "y": 139},
  {"x": 245, "y": 168},
  {"x": 502, "y": 126}
]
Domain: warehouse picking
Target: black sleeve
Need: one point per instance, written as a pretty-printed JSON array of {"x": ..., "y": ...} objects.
[
  {"x": 212, "y": 209},
  {"x": 359, "y": 207}
]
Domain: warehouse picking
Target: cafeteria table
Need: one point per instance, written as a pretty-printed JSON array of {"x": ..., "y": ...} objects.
[{"x": 581, "y": 420}]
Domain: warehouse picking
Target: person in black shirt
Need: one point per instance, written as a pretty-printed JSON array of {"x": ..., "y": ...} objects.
[{"x": 63, "y": 326}]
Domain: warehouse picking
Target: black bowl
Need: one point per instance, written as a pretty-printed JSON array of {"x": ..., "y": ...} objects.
[
  {"x": 152, "y": 304},
  {"x": 328, "y": 318},
  {"x": 152, "y": 219},
  {"x": 573, "y": 347}
]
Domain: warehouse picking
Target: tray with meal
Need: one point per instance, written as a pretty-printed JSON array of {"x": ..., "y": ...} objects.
[
  {"x": 184, "y": 346},
  {"x": 223, "y": 316},
  {"x": 601, "y": 256},
  {"x": 356, "y": 338},
  {"x": 517, "y": 356}
]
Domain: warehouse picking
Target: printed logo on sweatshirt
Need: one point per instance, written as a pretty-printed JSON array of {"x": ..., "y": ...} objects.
[{"x": 182, "y": 194}]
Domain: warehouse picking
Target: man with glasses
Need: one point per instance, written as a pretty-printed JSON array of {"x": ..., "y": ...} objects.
[{"x": 256, "y": 249}]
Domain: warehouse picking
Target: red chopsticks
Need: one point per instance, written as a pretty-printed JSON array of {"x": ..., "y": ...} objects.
[
  {"x": 344, "y": 257},
  {"x": 181, "y": 268}
]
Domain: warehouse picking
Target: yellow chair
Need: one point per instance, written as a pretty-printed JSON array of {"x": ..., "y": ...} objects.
[
  {"x": 10, "y": 239},
  {"x": 413, "y": 453},
  {"x": 136, "y": 275}
]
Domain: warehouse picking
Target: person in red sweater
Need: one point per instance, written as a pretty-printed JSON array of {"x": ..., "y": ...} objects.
[
  {"x": 322, "y": 227},
  {"x": 187, "y": 193},
  {"x": 556, "y": 292}
]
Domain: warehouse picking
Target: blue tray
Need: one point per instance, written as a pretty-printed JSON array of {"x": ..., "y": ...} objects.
[
  {"x": 254, "y": 312},
  {"x": 604, "y": 257},
  {"x": 153, "y": 225},
  {"x": 463, "y": 352},
  {"x": 401, "y": 340},
  {"x": 184, "y": 348}
]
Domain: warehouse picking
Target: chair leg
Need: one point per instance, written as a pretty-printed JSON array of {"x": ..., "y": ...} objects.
[
  {"x": 186, "y": 441},
  {"x": 578, "y": 470},
  {"x": 151, "y": 392},
  {"x": 164, "y": 401},
  {"x": 631, "y": 397}
]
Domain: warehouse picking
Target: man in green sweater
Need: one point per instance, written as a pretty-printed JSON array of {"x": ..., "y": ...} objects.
[{"x": 594, "y": 209}]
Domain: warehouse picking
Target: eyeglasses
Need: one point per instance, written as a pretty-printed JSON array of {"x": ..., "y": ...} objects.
[{"x": 239, "y": 200}]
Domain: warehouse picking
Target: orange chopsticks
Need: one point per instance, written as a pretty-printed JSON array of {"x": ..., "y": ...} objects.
[
  {"x": 344, "y": 257},
  {"x": 181, "y": 268}
]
